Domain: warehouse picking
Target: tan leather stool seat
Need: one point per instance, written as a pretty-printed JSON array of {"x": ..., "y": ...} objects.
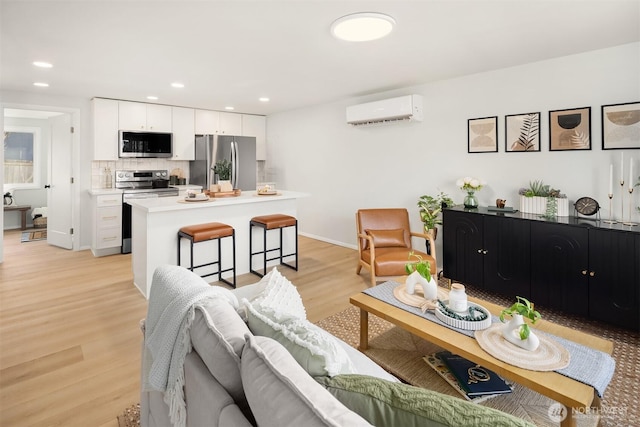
[
  {"x": 275, "y": 221},
  {"x": 211, "y": 230},
  {"x": 272, "y": 222},
  {"x": 206, "y": 232}
]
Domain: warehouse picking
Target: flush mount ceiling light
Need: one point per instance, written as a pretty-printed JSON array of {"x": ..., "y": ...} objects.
[
  {"x": 152, "y": 98},
  {"x": 41, "y": 84},
  {"x": 363, "y": 26},
  {"x": 42, "y": 64},
  {"x": 177, "y": 85}
]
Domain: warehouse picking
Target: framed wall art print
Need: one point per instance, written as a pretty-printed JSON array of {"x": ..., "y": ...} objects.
[
  {"x": 570, "y": 129},
  {"x": 483, "y": 135},
  {"x": 621, "y": 126},
  {"x": 522, "y": 132}
]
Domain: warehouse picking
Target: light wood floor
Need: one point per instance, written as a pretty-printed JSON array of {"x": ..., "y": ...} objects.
[{"x": 69, "y": 327}]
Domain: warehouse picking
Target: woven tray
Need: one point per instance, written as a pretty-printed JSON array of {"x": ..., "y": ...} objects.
[
  {"x": 469, "y": 325},
  {"x": 549, "y": 356},
  {"x": 417, "y": 299}
]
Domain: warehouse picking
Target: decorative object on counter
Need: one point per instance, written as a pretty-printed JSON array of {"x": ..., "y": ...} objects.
[
  {"x": 522, "y": 132},
  {"x": 8, "y": 198},
  {"x": 234, "y": 193},
  {"x": 195, "y": 196},
  {"x": 420, "y": 273},
  {"x": 431, "y": 209},
  {"x": 176, "y": 177},
  {"x": 588, "y": 206},
  {"x": 631, "y": 185},
  {"x": 470, "y": 185},
  {"x": 541, "y": 199},
  {"x": 482, "y": 135},
  {"x": 570, "y": 129},
  {"x": 223, "y": 170},
  {"x": 267, "y": 190},
  {"x": 458, "y": 298},
  {"x": 500, "y": 203},
  {"x": 108, "y": 178},
  {"x": 474, "y": 318},
  {"x": 638, "y": 185},
  {"x": 517, "y": 331}
]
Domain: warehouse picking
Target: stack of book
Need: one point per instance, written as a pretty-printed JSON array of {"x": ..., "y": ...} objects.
[{"x": 472, "y": 381}]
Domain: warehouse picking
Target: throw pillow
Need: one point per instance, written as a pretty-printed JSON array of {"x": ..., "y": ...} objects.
[
  {"x": 280, "y": 393},
  {"x": 316, "y": 350},
  {"x": 387, "y": 238},
  {"x": 280, "y": 298},
  {"x": 384, "y": 403}
]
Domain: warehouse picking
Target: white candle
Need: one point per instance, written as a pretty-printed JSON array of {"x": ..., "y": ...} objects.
[
  {"x": 611, "y": 178},
  {"x": 621, "y": 167},
  {"x": 631, "y": 174}
]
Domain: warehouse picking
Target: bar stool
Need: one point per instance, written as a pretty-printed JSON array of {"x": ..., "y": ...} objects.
[
  {"x": 272, "y": 222},
  {"x": 203, "y": 233}
]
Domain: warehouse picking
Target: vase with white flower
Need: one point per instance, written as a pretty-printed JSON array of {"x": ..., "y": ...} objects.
[{"x": 470, "y": 185}]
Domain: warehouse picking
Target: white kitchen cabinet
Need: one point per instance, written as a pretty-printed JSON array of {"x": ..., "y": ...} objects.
[
  {"x": 230, "y": 124},
  {"x": 207, "y": 122},
  {"x": 107, "y": 223},
  {"x": 183, "y": 133},
  {"x": 105, "y": 129},
  {"x": 256, "y": 126},
  {"x": 218, "y": 123},
  {"x": 141, "y": 116}
]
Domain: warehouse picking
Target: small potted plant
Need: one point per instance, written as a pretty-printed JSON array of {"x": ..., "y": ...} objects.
[
  {"x": 430, "y": 209},
  {"x": 541, "y": 199},
  {"x": 419, "y": 272},
  {"x": 517, "y": 331},
  {"x": 470, "y": 185},
  {"x": 223, "y": 169}
]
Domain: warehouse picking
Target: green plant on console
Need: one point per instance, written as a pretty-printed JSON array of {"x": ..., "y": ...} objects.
[
  {"x": 223, "y": 169},
  {"x": 525, "y": 308},
  {"x": 539, "y": 189},
  {"x": 421, "y": 266},
  {"x": 431, "y": 207}
]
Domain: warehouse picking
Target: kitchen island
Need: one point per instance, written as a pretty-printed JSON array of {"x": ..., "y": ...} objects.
[{"x": 156, "y": 221}]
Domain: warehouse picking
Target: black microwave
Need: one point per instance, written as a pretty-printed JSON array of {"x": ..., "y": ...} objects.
[{"x": 145, "y": 144}]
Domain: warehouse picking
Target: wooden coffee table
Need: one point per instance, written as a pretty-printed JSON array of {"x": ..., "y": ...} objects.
[{"x": 569, "y": 392}]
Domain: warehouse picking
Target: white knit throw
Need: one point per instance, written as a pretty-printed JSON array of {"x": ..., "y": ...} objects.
[{"x": 175, "y": 292}]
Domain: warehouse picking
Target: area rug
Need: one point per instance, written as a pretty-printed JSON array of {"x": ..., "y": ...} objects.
[{"x": 32, "y": 236}]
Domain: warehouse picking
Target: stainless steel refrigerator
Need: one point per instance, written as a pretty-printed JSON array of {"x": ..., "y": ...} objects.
[{"x": 239, "y": 150}]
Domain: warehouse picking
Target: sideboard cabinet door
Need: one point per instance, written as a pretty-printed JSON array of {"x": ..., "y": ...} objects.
[
  {"x": 614, "y": 277},
  {"x": 559, "y": 267},
  {"x": 462, "y": 247}
]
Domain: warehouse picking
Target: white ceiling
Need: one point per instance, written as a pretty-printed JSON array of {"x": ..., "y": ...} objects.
[{"x": 233, "y": 52}]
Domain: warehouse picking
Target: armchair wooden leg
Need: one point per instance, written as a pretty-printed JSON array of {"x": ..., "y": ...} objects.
[
  {"x": 358, "y": 268},
  {"x": 373, "y": 278}
]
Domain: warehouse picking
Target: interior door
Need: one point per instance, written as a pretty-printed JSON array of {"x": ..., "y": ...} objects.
[{"x": 59, "y": 220}]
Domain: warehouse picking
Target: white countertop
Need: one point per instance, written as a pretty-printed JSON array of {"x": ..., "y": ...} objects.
[
  {"x": 104, "y": 191},
  {"x": 168, "y": 204}
]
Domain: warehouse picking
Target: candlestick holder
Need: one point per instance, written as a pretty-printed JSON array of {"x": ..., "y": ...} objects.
[
  {"x": 610, "y": 221},
  {"x": 621, "y": 200},
  {"x": 629, "y": 223}
]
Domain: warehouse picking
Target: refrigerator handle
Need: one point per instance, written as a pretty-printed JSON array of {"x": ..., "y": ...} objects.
[{"x": 234, "y": 164}]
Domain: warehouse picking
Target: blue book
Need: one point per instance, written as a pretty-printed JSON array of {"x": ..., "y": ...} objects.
[{"x": 473, "y": 378}]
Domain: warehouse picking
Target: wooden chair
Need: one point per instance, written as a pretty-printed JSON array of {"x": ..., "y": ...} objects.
[{"x": 384, "y": 242}]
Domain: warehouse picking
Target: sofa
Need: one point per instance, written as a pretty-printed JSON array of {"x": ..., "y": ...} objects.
[{"x": 249, "y": 357}]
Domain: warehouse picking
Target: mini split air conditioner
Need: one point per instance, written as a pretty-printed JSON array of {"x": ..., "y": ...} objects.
[{"x": 408, "y": 107}]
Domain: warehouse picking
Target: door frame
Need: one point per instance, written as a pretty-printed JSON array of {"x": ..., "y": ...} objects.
[{"x": 75, "y": 164}]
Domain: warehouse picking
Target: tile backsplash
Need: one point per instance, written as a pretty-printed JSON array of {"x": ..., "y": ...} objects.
[{"x": 99, "y": 175}]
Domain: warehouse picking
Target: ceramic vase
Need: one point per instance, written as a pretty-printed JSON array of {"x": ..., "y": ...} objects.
[
  {"x": 225, "y": 185},
  {"x": 429, "y": 287},
  {"x": 511, "y": 332}
]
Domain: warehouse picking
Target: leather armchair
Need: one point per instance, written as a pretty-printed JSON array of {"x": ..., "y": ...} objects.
[{"x": 384, "y": 242}]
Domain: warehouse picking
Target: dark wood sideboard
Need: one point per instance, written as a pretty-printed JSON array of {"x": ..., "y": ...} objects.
[{"x": 577, "y": 265}]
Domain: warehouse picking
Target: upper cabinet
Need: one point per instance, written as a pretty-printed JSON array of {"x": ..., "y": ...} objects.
[
  {"x": 141, "y": 116},
  {"x": 183, "y": 133},
  {"x": 105, "y": 129},
  {"x": 256, "y": 126},
  {"x": 218, "y": 123}
]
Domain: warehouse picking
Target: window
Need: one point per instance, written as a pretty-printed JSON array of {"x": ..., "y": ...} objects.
[{"x": 21, "y": 157}]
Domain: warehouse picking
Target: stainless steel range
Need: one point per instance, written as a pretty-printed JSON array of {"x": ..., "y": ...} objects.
[{"x": 137, "y": 184}]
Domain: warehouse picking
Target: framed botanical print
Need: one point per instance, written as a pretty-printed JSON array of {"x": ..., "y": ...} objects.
[
  {"x": 570, "y": 129},
  {"x": 621, "y": 126},
  {"x": 483, "y": 135},
  {"x": 522, "y": 132}
]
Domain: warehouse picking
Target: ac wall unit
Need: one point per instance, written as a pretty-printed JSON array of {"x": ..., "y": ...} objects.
[{"x": 408, "y": 107}]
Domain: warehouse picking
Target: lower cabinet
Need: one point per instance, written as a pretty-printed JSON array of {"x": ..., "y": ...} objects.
[
  {"x": 107, "y": 224},
  {"x": 577, "y": 268}
]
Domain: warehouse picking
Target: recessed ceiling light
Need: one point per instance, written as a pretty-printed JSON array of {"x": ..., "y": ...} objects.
[
  {"x": 364, "y": 26},
  {"x": 41, "y": 84},
  {"x": 229, "y": 108},
  {"x": 152, "y": 98},
  {"x": 263, "y": 99},
  {"x": 42, "y": 64},
  {"x": 177, "y": 84}
]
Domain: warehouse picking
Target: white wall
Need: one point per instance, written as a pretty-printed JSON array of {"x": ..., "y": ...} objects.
[{"x": 346, "y": 168}]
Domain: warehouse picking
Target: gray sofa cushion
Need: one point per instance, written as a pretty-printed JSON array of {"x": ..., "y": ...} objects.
[
  {"x": 280, "y": 393},
  {"x": 217, "y": 334}
]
